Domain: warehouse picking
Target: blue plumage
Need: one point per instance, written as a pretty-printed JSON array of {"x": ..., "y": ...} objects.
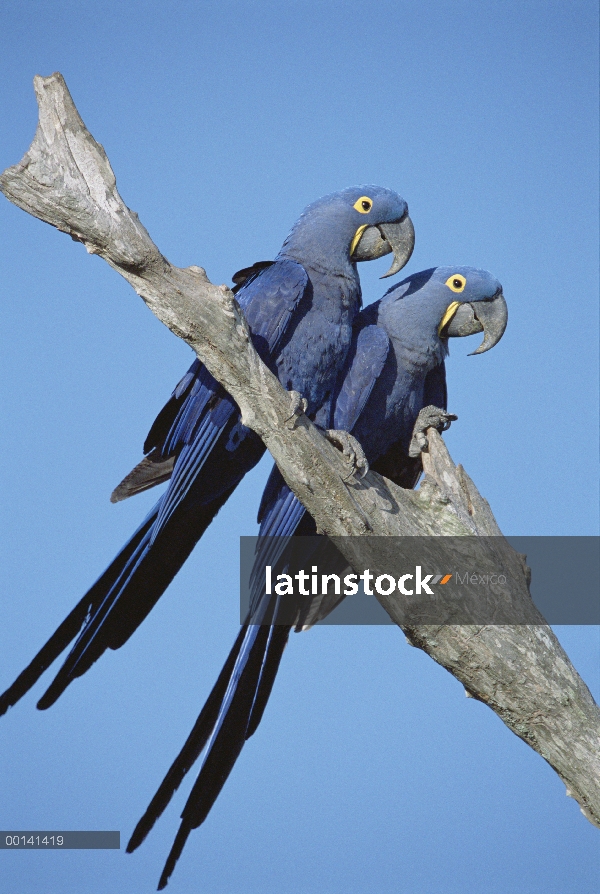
[
  {"x": 300, "y": 310},
  {"x": 395, "y": 367}
]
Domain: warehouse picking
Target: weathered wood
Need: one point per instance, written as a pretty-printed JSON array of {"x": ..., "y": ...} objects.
[{"x": 520, "y": 671}]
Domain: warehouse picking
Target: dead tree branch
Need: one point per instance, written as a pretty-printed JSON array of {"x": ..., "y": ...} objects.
[{"x": 520, "y": 671}]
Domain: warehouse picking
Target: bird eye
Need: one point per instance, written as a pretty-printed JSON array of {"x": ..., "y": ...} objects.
[
  {"x": 364, "y": 204},
  {"x": 456, "y": 282}
]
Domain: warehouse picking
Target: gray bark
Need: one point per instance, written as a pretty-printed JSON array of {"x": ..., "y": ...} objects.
[{"x": 520, "y": 671}]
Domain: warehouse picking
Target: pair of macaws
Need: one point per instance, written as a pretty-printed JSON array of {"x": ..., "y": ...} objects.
[{"x": 377, "y": 374}]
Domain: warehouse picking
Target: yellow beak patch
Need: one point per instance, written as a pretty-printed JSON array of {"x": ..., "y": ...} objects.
[
  {"x": 356, "y": 238},
  {"x": 450, "y": 311}
]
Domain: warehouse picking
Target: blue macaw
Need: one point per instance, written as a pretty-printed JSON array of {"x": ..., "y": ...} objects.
[
  {"x": 300, "y": 310},
  {"x": 392, "y": 388}
]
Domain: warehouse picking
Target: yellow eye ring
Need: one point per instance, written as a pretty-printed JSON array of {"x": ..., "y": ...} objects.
[
  {"x": 363, "y": 205},
  {"x": 456, "y": 282}
]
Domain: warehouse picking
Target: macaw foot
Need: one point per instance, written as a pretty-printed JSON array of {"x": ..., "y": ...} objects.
[
  {"x": 351, "y": 449},
  {"x": 429, "y": 417},
  {"x": 298, "y": 406}
]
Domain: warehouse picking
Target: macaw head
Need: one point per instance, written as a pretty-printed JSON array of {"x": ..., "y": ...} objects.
[
  {"x": 357, "y": 224},
  {"x": 429, "y": 307}
]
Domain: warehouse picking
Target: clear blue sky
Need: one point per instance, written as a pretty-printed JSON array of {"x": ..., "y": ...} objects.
[{"x": 371, "y": 771}]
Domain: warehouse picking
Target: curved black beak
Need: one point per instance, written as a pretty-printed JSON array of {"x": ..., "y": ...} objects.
[
  {"x": 381, "y": 239},
  {"x": 489, "y": 317}
]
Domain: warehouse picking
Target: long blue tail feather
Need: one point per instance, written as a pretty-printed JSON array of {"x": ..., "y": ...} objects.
[
  {"x": 190, "y": 752},
  {"x": 229, "y": 734},
  {"x": 129, "y": 596},
  {"x": 75, "y": 620}
]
